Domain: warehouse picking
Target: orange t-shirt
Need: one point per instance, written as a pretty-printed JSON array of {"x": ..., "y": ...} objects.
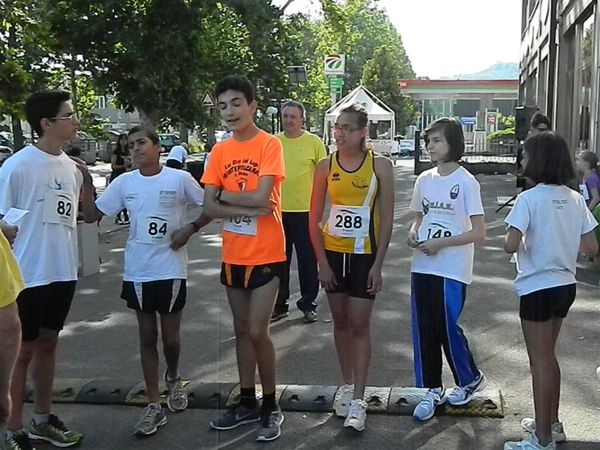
[{"x": 237, "y": 166}]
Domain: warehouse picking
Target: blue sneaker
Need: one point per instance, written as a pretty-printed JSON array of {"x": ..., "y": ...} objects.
[{"x": 426, "y": 408}]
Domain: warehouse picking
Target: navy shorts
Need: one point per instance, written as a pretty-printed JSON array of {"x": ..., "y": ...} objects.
[
  {"x": 546, "y": 304},
  {"x": 351, "y": 273},
  {"x": 162, "y": 296}
]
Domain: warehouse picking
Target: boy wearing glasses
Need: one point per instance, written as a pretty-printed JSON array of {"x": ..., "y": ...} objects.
[{"x": 44, "y": 181}]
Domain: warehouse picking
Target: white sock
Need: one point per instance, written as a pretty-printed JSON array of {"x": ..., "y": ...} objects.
[{"x": 40, "y": 418}]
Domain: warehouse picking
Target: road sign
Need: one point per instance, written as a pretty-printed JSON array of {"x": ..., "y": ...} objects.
[
  {"x": 208, "y": 100},
  {"x": 336, "y": 83},
  {"x": 335, "y": 64}
]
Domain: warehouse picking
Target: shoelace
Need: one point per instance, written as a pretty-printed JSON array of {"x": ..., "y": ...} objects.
[
  {"x": 355, "y": 410},
  {"x": 271, "y": 420},
  {"x": 57, "y": 423},
  {"x": 149, "y": 414},
  {"x": 177, "y": 389},
  {"x": 432, "y": 396}
]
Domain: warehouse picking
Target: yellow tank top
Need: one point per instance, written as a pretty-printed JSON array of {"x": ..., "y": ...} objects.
[{"x": 353, "y": 223}]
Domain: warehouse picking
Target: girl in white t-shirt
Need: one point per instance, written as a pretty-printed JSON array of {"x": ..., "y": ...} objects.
[
  {"x": 547, "y": 226},
  {"x": 449, "y": 219}
]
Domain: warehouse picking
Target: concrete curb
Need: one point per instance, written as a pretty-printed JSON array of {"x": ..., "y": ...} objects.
[{"x": 292, "y": 397}]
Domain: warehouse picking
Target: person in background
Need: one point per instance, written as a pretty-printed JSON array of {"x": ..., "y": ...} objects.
[
  {"x": 177, "y": 156},
  {"x": 120, "y": 162}
]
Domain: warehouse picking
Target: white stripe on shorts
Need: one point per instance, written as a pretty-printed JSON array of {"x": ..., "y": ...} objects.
[
  {"x": 138, "y": 293},
  {"x": 174, "y": 293}
]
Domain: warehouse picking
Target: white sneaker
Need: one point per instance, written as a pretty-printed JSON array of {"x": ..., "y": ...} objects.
[
  {"x": 461, "y": 395},
  {"x": 530, "y": 443},
  {"x": 342, "y": 407},
  {"x": 426, "y": 408},
  {"x": 357, "y": 415},
  {"x": 558, "y": 432}
]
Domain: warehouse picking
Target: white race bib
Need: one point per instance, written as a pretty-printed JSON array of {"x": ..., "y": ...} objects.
[
  {"x": 584, "y": 191},
  {"x": 60, "y": 208},
  {"x": 349, "y": 221},
  {"x": 155, "y": 229},
  {"x": 241, "y": 225},
  {"x": 435, "y": 230}
]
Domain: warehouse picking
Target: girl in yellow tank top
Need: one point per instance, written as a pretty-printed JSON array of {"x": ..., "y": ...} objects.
[
  {"x": 353, "y": 224},
  {"x": 350, "y": 248}
]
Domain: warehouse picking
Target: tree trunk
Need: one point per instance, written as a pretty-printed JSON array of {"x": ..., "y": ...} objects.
[
  {"x": 148, "y": 118},
  {"x": 17, "y": 132},
  {"x": 183, "y": 133}
]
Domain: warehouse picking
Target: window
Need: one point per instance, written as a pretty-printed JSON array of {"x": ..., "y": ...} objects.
[
  {"x": 100, "y": 102},
  {"x": 586, "y": 58}
]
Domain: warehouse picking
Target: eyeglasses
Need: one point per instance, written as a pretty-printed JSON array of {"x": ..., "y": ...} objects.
[
  {"x": 72, "y": 116},
  {"x": 345, "y": 128}
]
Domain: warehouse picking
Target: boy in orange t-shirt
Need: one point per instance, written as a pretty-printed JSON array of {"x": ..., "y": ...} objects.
[{"x": 243, "y": 186}]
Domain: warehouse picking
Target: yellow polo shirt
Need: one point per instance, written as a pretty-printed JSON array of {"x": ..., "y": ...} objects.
[
  {"x": 11, "y": 281},
  {"x": 301, "y": 156}
]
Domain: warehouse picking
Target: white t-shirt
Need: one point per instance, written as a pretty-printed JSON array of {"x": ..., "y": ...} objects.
[
  {"x": 178, "y": 153},
  {"x": 447, "y": 203},
  {"x": 157, "y": 207},
  {"x": 552, "y": 219},
  {"x": 48, "y": 187}
]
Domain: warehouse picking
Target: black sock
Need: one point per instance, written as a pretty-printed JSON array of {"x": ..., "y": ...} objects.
[
  {"x": 248, "y": 397},
  {"x": 268, "y": 403}
]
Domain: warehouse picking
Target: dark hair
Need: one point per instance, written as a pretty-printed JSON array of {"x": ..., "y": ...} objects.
[
  {"x": 539, "y": 119},
  {"x": 44, "y": 105},
  {"x": 294, "y": 104},
  {"x": 591, "y": 158},
  {"x": 452, "y": 132},
  {"x": 75, "y": 151},
  {"x": 548, "y": 159},
  {"x": 148, "y": 132},
  {"x": 362, "y": 119},
  {"x": 119, "y": 139},
  {"x": 238, "y": 83}
]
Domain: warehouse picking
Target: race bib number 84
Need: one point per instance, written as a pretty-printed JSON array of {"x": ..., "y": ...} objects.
[{"x": 154, "y": 229}]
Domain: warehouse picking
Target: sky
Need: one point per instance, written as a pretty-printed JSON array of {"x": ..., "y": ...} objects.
[{"x": 476, "y": 33}]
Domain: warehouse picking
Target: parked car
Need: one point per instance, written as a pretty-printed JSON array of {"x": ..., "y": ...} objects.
[
  {"x": 5, "y": 141},
  {"x": 167, "y": 141},
  {"x": 88, "y": 145},
  {"x": 5, "y": 153}
]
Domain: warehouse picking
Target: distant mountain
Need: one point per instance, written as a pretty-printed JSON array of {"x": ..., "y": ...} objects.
[{"x": 499, "y": 71}]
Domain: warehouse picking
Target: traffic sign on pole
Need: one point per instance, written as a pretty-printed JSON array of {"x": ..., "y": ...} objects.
[{"x": 208, "y": 100}]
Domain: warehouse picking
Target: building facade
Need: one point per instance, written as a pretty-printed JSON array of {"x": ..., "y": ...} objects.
[{"x": 559, "y": 67}]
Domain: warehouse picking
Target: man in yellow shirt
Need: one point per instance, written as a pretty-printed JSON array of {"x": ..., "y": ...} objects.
[
  {"x": 301, "y": 152},
  {"x": 11, "y": 283}
]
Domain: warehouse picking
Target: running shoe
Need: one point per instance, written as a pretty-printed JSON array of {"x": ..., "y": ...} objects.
[
  {"x": 177, "y": 398},
  {"x": 558, "y": 432},
  {"x": 342, "y": 407},
  {"x": 152, "y": 417},
  {"x": 235, "y": 416},
  {"x": 18, "y": 441},
  {"x": 55, "y": 432},
  {"x": 270, "y": 426},
  {"x": 426, "y": 408},
  {"x": 357, "y": 415},
  {"x": 310, "y": 316},
  {"x": 530, "y": 443},
  {"x": 461, "y": 395}
]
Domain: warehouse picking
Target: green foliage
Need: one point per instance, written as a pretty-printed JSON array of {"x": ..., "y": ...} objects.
[
  {"x": 505, "y": 122},
  {"x": 506, "y": 134}
]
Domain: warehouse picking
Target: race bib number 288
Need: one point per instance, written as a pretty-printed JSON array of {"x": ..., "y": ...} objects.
[{"x": 349, "y": 221}]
